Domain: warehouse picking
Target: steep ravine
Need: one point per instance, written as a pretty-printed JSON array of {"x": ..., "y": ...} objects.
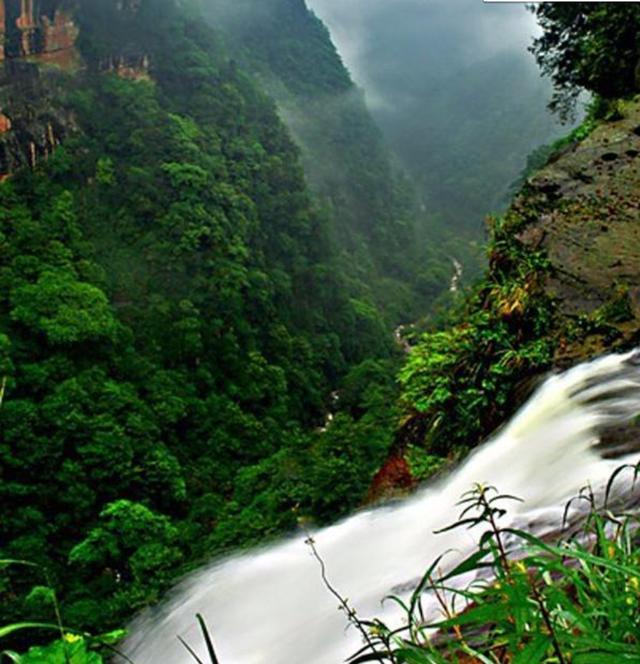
[
  {"x": 173, "y": 313},
  {"x": 562, "y": 286},
  {"x": 176, "y": 314}
]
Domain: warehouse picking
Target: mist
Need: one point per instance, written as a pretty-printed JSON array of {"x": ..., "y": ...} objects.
[{"x": 454, "y": 89}]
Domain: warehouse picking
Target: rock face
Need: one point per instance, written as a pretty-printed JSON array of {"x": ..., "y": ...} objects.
[
  {"x": 130, "y": 66},
  {"x": 33, "y": 33},
  {"x": 5, "y": 123},
  {"x": 32, "y": 122},
  {"x": 59, "y": 35},
  {"x": 393, "y": 479},
  {"x": 43, "y": 29},
  {"x": 583, "y": 211}
]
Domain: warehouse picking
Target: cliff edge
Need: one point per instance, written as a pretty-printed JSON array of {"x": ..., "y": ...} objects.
[{"x": 583, "y": 211}]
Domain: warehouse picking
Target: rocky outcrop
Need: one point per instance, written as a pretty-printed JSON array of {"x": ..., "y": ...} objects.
[
  {"x": 40, "y": 29},
  {"x": 393, "y": 479},
  {"x": 32, "y": 120},
  {"x": 59, "y": 36},
  {"x": 583, "y": 211}
]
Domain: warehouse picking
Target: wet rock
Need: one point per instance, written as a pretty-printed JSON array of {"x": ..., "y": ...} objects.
[{"x": 619, "y": 441}]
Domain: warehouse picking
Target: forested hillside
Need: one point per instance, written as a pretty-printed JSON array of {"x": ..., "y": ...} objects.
[
  {"x": 204, "y": 250},
  {"x": 460, "y": 102},
  {"x": 174, "y": 315},
  {"x": 374, "y": 207}
]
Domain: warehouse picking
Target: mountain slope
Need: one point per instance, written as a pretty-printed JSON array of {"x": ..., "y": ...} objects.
[
  {"x": 347, "y": 163},
  {"x": 173, "y": 313}
]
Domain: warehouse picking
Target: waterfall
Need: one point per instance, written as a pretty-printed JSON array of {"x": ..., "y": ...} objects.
[
  {"x": 270, "y": 606},
  {"x": 457, "y": 275}
]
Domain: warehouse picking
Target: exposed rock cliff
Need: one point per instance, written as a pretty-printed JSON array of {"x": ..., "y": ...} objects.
[
  {"x": 33, "y": 121},
  {"x": 583, "y": 211},
  {"x": 44, "y": 29},
  {"x": 39, "y": 59},
  {"x": 34, "y": 34}
]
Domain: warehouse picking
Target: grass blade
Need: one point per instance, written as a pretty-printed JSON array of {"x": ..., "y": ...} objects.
[
  {"x": 207, "y": 639},
  {"x": 190, "y": 650}
]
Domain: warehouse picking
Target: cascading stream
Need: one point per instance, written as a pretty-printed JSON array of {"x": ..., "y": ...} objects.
[{"x": 270, "y": 606}]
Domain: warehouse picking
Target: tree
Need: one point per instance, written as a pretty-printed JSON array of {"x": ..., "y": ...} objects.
[
  {"x": 133, "y": 548},
  {"x": 592, "y": 46},
  {"x": 64, "y": 309}
]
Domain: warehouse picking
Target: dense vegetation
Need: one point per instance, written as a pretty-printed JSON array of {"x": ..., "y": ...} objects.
[
  {"x": 173, "y": 319},
  {"x": 590, "y": 46},
  {"x": 373, "y": 206},
  {"x": 176, "y": 310}
]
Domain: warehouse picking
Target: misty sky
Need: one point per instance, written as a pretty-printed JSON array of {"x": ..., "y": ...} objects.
[{"x": 418, "y": 40}]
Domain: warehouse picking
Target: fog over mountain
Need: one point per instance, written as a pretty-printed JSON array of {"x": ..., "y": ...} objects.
[
  {"x": 399, "y": 47},
  {"x": 454, "y": 89}
]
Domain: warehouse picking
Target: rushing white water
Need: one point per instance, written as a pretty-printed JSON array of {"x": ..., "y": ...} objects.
[{"x": 270, "y": 606}]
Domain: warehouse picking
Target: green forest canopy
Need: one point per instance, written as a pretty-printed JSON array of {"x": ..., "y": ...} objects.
[{"x": 174, "y": 315}]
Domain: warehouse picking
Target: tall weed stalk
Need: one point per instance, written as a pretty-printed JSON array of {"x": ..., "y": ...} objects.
[{"x": 531, "y": 602}]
